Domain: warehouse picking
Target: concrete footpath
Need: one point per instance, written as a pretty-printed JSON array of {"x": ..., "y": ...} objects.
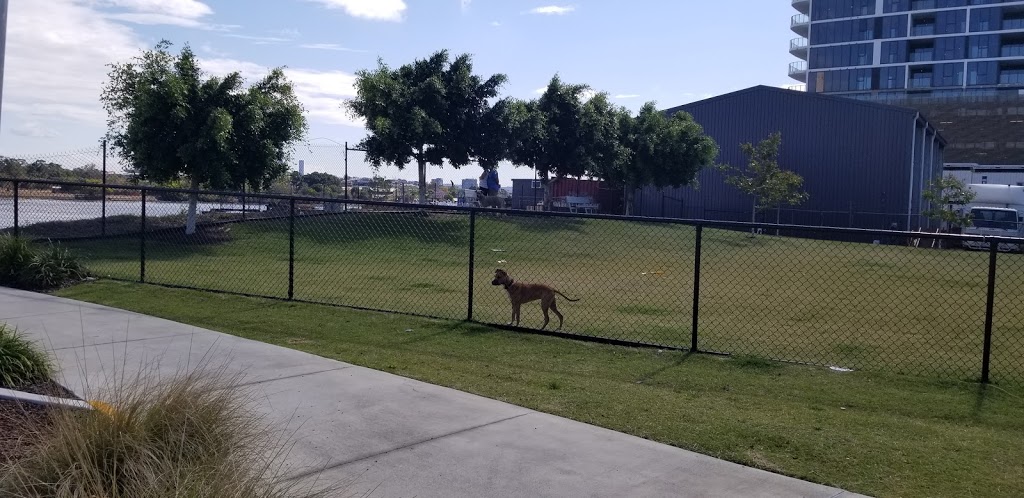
[{"x": 388, "y": 436}]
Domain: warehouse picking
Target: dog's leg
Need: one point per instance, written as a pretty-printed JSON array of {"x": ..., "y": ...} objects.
[
  {"x": 516, "y": 310},
  {"x": 545, "y": 304},
  {"x": 554, "y": 307}
]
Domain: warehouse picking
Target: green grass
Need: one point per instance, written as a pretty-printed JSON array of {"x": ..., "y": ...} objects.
[
  {"x": 879, "y": 434},
  {"x": 861, "y": 306}
]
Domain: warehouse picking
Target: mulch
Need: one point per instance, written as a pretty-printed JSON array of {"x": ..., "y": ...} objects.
[{"x": 21, "y": 424}]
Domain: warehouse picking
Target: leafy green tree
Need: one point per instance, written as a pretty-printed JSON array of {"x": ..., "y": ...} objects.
[
  {"x": 11, "y": 167},
  {"x": 649, "y": 149},
  {"x": 947, "y": 197},
  {"x": 764, "y": 180},
  {"x": 169, "y": 121},
  {"x": 45, "y": 170},
  {"x": 564, "y": 151},
  {"x": 431, "y": 111}
]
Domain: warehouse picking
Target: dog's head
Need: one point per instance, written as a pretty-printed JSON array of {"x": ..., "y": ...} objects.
[{"x": 501, "y": 278}]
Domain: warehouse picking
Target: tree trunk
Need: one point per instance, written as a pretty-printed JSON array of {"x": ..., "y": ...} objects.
[
  {"x": 546, "y": 182},
  {"x": 193, "y": 201},
  {"x": 753, "y": 218},
  {"x": 422, "y": 165},
  {"x": 627, "y": 208},
  {"x": 778, "y": 219}
]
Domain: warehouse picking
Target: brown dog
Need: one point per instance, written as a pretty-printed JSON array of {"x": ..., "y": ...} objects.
[{"x": 519, "y": 293}]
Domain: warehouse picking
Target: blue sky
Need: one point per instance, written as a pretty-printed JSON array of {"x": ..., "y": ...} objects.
[{"x": 671, "y": 52}]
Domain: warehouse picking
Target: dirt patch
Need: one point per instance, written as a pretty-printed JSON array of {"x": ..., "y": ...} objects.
[{"x": 23, "y": 425}]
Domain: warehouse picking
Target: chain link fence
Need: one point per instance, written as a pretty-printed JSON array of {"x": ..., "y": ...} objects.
[{"x": 839, "y": 298}]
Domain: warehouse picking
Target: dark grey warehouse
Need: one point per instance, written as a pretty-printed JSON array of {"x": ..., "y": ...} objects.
[{"x": 865, "y": 165}]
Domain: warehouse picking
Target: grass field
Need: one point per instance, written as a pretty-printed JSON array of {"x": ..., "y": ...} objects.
[
  {"x": 860, "y": 306},
  {"x": 879, "y": 434}
]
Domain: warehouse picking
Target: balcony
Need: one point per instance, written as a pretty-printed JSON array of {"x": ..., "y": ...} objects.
[
  {"x": 798, "y": 47},
  {"x": 802, "y": 6},
  {"x": 798, "y": 71},
  {"x": 921, "y": 81},
  {"x": 800, "y": 24}
]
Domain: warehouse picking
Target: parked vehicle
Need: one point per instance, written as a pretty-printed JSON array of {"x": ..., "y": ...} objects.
[{"x": 997, "y": 211}]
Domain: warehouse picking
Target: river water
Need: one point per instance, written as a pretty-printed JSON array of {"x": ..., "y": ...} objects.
[{"x": 31, "y": 211}]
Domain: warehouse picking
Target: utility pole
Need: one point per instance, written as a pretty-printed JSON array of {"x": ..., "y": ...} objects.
[{"x": 3, "y": 46}]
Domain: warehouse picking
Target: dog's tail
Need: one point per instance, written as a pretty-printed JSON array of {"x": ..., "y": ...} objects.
[{"x": 571, "y": 300}]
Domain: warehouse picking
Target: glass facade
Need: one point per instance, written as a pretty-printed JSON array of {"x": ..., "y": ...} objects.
[{"x": 914, "y": 46}]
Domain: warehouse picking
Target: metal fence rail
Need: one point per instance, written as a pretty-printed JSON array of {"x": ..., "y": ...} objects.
[{"x": 841, "y": 298}]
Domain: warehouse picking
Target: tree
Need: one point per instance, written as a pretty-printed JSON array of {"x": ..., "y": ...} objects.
[
  {"x": 11, "y": 167},
  {"x": 526, "y": 130},
  {"x": 649, "y": 149},
  {"x": 563, "y": 152},
  {"x": 431, "y": 111},
  {"x": 380, "y": 188},
  {"x": 947, "y": 197},
  {"x": 169, "y": 121},
  {"x": 763, "y": 179}
]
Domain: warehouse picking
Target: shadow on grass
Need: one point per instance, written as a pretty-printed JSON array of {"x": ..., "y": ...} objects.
[
  {"x": 355, "y": 227},
  {"x": 537, "y": 224},
  {"x": 681, "y": 357}
]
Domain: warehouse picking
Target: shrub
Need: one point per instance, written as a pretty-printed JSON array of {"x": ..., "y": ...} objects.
[
  {"x": 15, "y": 257},
  {"x": 21, "y": 362},
  {"x": 24, "y": 267},
  {"x": 191, "y": 436},
  {"x": 55, "y": 267}
]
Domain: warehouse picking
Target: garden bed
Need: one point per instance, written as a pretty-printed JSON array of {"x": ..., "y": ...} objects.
[{"x": 22, "y": 423}]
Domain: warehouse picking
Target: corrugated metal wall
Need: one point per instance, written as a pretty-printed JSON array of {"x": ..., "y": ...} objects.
[{"x": 855, "y": 158}]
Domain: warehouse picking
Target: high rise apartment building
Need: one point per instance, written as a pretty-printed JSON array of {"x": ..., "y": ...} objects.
[
  {"x": 958, "y": 62},
  {"x": 931, "y": 47}
]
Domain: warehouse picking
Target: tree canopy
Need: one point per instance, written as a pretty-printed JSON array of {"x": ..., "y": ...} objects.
[
  {"x": 770, "y": 185},
  {"x": 947, "y": 197},
  {"x": 432, "y": 111},
  {"x": 169, "y": 121}
]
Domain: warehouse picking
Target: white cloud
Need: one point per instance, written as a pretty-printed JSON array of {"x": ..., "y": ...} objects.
[
  {"x": 465, "y": 4},
  {"x": 329, "y": 46},
  {"x": 495, "y": 24},
  {"x": 550, "y": 10},
  {"x": 259, "y": 39},
  {"x": 57, "y": 52},
  {"x": 378, "y": 10},
  {"x": 626, "y": 96},
  {"x": 184, "y": 13},
  {"x": 35, "y": 129},
  {"x": 322, "y": 93},
  {"x": 191, "y": 9}
]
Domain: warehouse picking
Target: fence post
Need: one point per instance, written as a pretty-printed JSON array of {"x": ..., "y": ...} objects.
[
  {"x": 986, "y": 355},
  {"x": 696, "y": 287},
  {"x": 142, "y": 241},
  {"x": 103, "y": 207},
  {"x": 291, "y": 249},
  {"x": 472, "y": 262},
  {"x": 17, "y": 228}
]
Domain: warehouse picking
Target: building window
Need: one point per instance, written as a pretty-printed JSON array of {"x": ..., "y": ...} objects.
[
  {"x": 985, "y": 19},
  {"x": 984, "y": 180},
  {"x": 1011, "y": 76},
  {"x": 983, "y": 46},
  {"x": 982, "y": 73}
]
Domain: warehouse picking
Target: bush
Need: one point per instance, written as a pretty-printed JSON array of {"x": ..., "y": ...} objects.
[
  {"x": 21, "y": 363},
  {"x": 15, "y": 257},
  {"x": 55, "y": 267},
  {"x": 191, "y": 436},
  {"x": 24, "y": 267}
]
